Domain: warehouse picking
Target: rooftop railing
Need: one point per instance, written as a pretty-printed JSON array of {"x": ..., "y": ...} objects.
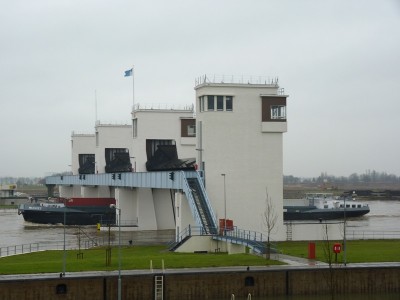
[
  {"x": 266, "y": 80},
  {"x": 163, "y": 106}
]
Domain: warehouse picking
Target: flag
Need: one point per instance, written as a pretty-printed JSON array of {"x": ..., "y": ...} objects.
[{"x": 128, "y": 73}]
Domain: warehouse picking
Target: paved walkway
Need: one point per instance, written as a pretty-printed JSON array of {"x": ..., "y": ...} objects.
[{"x": 297, "y": 261}]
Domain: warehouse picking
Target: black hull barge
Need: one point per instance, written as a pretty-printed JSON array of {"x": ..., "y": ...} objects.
[
  {"x": 323, "y": 206},
  {"x": 75, "y": 211}
]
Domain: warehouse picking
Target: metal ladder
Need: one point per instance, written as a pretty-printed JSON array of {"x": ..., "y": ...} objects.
[
  {"x": 289, "y": 231},
  {"x": 159, "y": 287}
]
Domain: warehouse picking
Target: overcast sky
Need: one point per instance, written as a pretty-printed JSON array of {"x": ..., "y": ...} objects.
[{"x": 339, "y": 61}]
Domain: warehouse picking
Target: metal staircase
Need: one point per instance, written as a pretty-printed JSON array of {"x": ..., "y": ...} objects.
[{"x": 199, "y": 203}]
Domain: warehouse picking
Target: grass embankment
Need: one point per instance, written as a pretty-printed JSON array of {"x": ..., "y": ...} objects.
[
  {"x": 8, "y": 206},
  {"x": 136, "y": 257},
  {"x": 357, "y": 251},
  {"x": 139, "y": 257}
]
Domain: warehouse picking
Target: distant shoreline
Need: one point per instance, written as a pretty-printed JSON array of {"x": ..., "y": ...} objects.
[{"x": 363, "y": 193}]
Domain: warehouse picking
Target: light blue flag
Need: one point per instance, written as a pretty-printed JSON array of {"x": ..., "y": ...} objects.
[{"x": 128, "y": 73}]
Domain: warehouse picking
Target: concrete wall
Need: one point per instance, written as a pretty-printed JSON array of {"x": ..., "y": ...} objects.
[
  {"x": 70, "y": 191},
  {"x": 146, "y": 212},
  {"x": 183, "y": 214},
  {"x": 212, "y": 285},
  {"x": 127, "y": 203},
  {"x": 95, "y": 192},
  {"x": 207, "y": 244},
  {"x": 164, "y": 208}
]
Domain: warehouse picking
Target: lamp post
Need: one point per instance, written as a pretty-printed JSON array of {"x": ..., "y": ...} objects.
[
  {"x": 344, "y": 234},
  {"x": 119, "y": 249},
  {"x": 119, "y": 253},
  {"x": 65, "y": 252},
  {"x": 223, "y": 175}
]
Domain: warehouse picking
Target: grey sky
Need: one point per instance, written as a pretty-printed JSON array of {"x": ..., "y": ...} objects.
[{"x": 338, "y": 60}]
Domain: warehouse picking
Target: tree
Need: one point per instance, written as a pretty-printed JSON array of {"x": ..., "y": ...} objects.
[{"x": 270, "y": 218}]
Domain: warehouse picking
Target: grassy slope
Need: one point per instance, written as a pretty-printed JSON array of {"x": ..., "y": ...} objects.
[
  {"x": 137, "y": 257},
  {"x": 357, "y": 251}
]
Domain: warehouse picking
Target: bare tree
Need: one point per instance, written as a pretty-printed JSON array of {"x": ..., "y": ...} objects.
[
  {"x": 270, "y": 218},
  {"x": 331, "y": 278}
]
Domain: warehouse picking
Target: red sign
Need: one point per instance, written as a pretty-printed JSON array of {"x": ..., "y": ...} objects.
[{"x": 337, "y": 248}]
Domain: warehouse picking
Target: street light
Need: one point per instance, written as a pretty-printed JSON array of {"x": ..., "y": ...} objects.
[
  {"x": 223, "y": 175},
  {"x": 344, "y": 232},
  {"x": 119, "y": 249},
  {"x": 65, "y": 252}
]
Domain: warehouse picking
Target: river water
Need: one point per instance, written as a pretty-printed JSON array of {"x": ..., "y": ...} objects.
[{"x": 383, "y": 221}]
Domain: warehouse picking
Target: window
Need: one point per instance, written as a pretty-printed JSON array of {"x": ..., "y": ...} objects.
[
  {"x": 273, "y": 109},
  {"x": 97, "y": 138},
  {"x": 220, "y": 102},
  {"x": 188, "y": 127},
  {"x": 278, "y": 112},
  {"x": 210, "y": 102},
  {"x": 215, "y": 103},
  {"x": 201, "y": 99},
  {"x": 228, "y": 103},
  {"x": 191, "y": 130},
  {"x": 134, "y": 128}
]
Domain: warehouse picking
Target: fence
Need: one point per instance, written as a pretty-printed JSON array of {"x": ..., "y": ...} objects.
[
  {"x": 59, "y": 245},
  {"x": 372, "y": 235}
]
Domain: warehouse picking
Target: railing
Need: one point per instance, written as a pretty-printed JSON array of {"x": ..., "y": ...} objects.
[
  {"x": 248, "y": 238},
  {"x": 59, "y": 245},
  {"x": 236, "y": 79},
  {"x": 372, "y": 235},
  {"x": 124, "y": 223},
  {"x": 244, "y": 234},
  {"x": 163, "y": 106},
  {"x": 192, "y": 231}
]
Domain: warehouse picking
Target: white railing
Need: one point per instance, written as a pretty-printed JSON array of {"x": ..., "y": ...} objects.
[
  {"x": 237, "y": 79},
  {"x": 163, "y": 106}
]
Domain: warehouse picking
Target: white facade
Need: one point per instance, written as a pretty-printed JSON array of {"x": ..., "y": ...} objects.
[
  {"x": 160, "y": 124},
  {"x": 111, "y": 136},
  {"x": 152, "y": 208},
  {"x": 236, "y": 142},
  {"x": 81, "y": 144}
]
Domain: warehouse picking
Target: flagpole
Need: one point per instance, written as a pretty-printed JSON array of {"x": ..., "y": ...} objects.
[{"x": 133, "y": 87}]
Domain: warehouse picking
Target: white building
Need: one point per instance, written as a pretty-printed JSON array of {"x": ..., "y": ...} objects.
[
  {"x": 240, "y": 128},
  {"x": 237, "y": 139}
]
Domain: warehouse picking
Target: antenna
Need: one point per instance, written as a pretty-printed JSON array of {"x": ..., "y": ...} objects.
[{"x": 95, "y": 106}]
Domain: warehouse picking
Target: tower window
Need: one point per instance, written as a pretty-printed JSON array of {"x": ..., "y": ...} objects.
[
  {"x": 278, "y": 112},
  {"x": 210, "y": 102},
  {"x": 220, "y": 102},
  {"x": 228, "y": 103},
  {"x": 273, "y": 109},
  {"x": 191, "y": 130},
  {"x": 201, "y": 99},
  {"x": 134, "y": 128},
  {"x": 188, "y": 127}
]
